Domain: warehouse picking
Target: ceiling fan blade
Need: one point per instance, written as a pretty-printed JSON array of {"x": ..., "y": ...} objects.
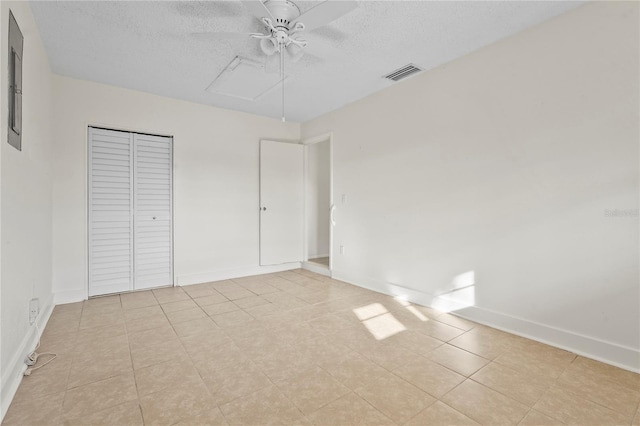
[
  {"x": 322, "y": 50},
  {"x": 257, "y": 9},
  {"x": 325, "y": 12},
  {"x": 219, "y": 35}
]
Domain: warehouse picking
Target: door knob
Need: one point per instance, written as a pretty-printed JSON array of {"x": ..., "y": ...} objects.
[
  {"x": 263, "y": 209},
  {"x": 154, "y": 218}
]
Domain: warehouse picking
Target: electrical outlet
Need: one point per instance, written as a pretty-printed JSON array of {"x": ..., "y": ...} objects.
[{"x": 34, "y": 309}]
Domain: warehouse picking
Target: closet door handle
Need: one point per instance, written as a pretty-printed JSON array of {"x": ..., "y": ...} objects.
[{"x": 331, "y": 211}]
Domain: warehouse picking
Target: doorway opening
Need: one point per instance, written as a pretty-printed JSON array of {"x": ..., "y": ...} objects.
[{"x": 318, "y": 204}]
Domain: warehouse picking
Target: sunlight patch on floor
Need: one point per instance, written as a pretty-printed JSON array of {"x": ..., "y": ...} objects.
[
  {"x": 379, "y": 321},
  {"x": 417, "y": 313},
  {"x": 370, "y": 311},
  {"x": 384, "y": 326}
]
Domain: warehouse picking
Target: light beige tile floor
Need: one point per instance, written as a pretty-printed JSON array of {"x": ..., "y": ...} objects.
[
  {"x": 320, "y": 261},
  {"x": 300, "y": 348}
]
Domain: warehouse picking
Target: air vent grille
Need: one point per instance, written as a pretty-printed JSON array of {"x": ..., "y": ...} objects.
[{"x": 404, "y": 72}]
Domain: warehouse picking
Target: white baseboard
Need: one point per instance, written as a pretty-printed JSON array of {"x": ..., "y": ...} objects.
[
  {"x": 385, "y": 288},
  {"x": 69, "y": 296},
  {"x": 589, "y": 347},
  {"x": 234, "y": 273},
  {"x": 610, "y": 353},
  {"x": 12, "y": 376},
  {"x": 318, "y": 269}
]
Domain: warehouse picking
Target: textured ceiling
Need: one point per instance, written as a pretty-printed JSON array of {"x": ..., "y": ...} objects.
[{"x": 149, "y": 46}]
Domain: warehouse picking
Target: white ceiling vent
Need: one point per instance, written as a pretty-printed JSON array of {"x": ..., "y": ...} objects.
[{"x": 404, "y": 72}]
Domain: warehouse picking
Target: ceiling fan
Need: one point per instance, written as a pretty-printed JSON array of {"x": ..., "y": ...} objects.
[
  {"x": 282, "y": 20},
  {"x": 283, "y": 23}
]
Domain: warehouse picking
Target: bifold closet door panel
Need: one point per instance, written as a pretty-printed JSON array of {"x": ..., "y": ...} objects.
[
  {"x": 153, "y": 252},
  {"x": 110, "y": 211}
]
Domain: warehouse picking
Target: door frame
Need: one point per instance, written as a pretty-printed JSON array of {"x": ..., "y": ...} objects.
[
  {"x": 307, "y": 142},
  {"x": 87, "y": 159}
]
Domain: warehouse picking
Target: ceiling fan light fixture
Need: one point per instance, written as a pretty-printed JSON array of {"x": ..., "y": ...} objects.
[{"x": 268, "y": 46}]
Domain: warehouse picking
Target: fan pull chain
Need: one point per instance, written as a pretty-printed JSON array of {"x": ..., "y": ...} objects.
[{"x": 282, "y": 47}]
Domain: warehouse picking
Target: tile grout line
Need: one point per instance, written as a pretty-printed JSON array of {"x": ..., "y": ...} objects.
[{"x": 133, "y": 368}]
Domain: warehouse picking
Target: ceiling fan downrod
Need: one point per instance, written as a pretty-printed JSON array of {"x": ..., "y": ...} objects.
[{"x": 282, "y": 77}]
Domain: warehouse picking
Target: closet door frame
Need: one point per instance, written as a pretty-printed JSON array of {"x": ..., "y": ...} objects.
[{"x": 87, "y": 215}]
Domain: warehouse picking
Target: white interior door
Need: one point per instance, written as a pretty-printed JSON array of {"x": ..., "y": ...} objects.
[
  {"x": 153, "y": 248},
  {"x": 130, "y": 211},
  {"x": 281, "y": 202},
  {"x": 110, "y": 212}
]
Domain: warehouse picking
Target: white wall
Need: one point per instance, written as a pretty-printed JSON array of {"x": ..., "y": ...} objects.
[
  {"x": 317, "y": 202},
  {"x": 503, "y": 163},
  {"x": 25, "y": 197},
  {"x": 215, "y": 178}
]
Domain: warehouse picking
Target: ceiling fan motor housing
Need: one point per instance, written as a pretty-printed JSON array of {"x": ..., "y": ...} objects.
[{"x": 284, "y": 12}]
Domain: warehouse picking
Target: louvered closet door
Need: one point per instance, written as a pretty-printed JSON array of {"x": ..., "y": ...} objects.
[
  {"x": 110, "y": 211},
  {"x": 153, "y": 211}
]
